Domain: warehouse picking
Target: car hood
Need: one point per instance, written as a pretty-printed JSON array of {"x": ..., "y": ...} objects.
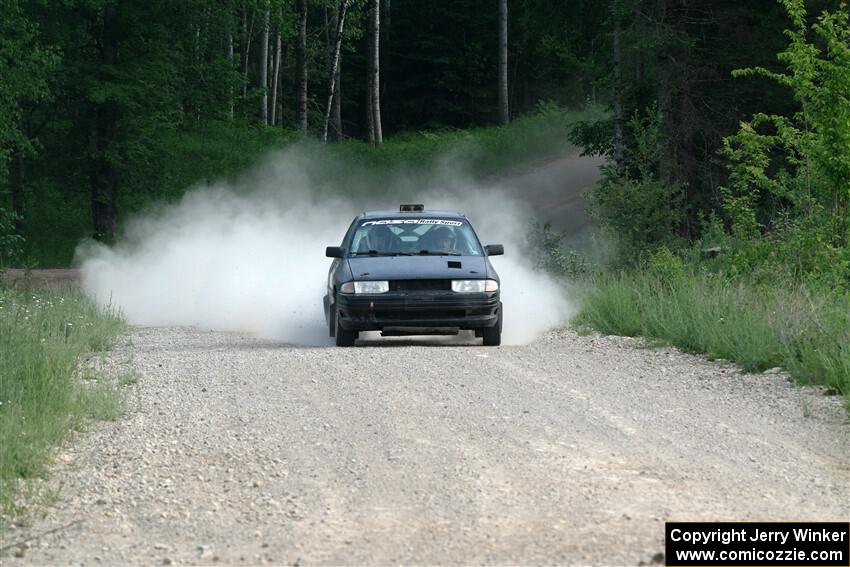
[{"x": 414, "y": 267}]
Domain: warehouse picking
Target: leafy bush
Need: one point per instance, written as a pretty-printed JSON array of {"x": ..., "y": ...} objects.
[
  {"x": 549, "y": 255},
  {"x": 789, "y": 183},
  {"x": 10, "y": 241},
  {"x": 640, "y": 209}
]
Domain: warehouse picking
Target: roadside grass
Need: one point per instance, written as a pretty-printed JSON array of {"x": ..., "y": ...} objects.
[
  {"x": 46, "y": 390},
  {"x": 757, "y": 326},
  {"x": 478, "y": 151}
]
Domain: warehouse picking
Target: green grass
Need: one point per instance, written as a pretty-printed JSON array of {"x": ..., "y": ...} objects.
[
  {"x": 45, "y": 337},
  {"x": 478, "y": 151},
  {"x": 806, "y": 331}
]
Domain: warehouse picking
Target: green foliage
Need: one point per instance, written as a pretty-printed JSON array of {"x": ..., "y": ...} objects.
[
  {"x": 638, "y": 207},
  {"x": 666, "y": 266},
  {"x": 25, "y": 67},
  {"x": 801, "y": 165},
  {"x": 801, "y": 248},
  {"x": 803, "y": 329},
  {"x": 43, "y": 337},
  {"x": 549, "y": 255},
  {"x": 10, "y": 242}
]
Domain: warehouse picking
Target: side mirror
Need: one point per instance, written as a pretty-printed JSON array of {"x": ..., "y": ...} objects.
[
  {"x": 333, "y": 252},
  {"x": 494, "y": 249}
]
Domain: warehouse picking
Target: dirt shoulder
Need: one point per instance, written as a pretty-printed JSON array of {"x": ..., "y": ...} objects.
[{"x": 41, "y": 278}]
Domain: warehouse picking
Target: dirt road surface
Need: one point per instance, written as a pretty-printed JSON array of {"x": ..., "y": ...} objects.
[
  {"x": 571, "y": 450},
  {"x": 556, "y": 191}
]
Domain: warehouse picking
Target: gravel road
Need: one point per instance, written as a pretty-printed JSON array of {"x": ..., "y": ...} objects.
[{"x": 571, "y": 450}]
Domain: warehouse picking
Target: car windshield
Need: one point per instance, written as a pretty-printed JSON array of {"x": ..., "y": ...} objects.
[{"x": 415, "y": 236}]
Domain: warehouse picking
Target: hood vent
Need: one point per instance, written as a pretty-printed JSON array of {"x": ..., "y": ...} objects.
[{"x": 453, "y": 264}]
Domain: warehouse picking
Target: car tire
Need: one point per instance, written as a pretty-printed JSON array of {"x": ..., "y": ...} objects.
[
  {"x": 492, "y": 336},
  {"x": 344, "y": 337}
]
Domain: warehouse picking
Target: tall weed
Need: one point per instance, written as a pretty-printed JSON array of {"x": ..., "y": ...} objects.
[
  {"x": 44, "y": 337},
  {"x": 758, "y": 326}
]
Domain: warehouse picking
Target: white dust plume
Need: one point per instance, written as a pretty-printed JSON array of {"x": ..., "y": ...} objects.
[{"x": 249, "y": 256}]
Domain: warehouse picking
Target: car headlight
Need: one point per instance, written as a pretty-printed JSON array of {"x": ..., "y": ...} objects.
[
  {"x": 474, "y": 286},
  {"x": 378, "y": 286}
]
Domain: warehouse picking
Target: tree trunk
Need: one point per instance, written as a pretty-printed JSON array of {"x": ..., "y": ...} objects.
[
  {"x": 617, "y": 102},
  {"x": 16, "y": 184},
  {"x": 376, "y": 72},
  {"x": 264, "y": 67},
  {"x": 334, "y": 67},
  {"x": 275, "y": 73},
  {"x": 336, "y": 112},
  {"x": 104, "y": 176},
  {"x": 370, "y": 116},
  {"x": 662, "y": 97},
  {"x": 230, "y": 60},
  {"x": 247, "y": 32},
  {"x": 301, "y": 67},
  {"x": 504, "y": 112}
]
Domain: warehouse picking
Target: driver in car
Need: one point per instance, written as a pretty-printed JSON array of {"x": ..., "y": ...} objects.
[
  {"x": 443, "y": 239},
  {"x": 380, "y": 239}
]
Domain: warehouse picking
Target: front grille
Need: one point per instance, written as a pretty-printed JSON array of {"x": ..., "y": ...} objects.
[
  {"x": 420, "y": 285},
  {"x": 422, "y": 315}
]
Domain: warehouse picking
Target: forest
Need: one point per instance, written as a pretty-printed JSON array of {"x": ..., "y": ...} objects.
[{"x": 726, "y": 126}]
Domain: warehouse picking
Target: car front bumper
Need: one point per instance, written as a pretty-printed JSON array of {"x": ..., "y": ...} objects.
[{"x": 422, "y": 310}]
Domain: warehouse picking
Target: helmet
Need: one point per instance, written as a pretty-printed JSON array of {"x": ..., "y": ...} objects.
[
  {"x": 380, "y": 238},
  {"x": 442, "y": 238}
]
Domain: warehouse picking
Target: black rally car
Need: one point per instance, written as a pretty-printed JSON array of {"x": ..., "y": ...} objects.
[{"x": 412, "y": 272}]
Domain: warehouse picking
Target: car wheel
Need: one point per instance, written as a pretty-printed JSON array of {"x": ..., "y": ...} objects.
[
  {"x": 344, "y": 337},
  {"x": 493, "y": 335}
]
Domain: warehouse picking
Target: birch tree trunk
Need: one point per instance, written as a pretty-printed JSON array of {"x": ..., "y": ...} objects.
[
  {"x": 504, "y": 112},
  {"x": 376, "y": 72},
  {"x": 301, "y": 67},
  {"x": 334, "y": 67},
  {"x": 264, "y": 67},
  {"x": 336, "y": 112},
  {"x": 276, "y": 72},
  {"x": 247, "y": 32}
]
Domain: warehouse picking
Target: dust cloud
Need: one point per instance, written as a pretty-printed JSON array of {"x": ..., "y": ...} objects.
[{"x": 248, "y": 255}]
